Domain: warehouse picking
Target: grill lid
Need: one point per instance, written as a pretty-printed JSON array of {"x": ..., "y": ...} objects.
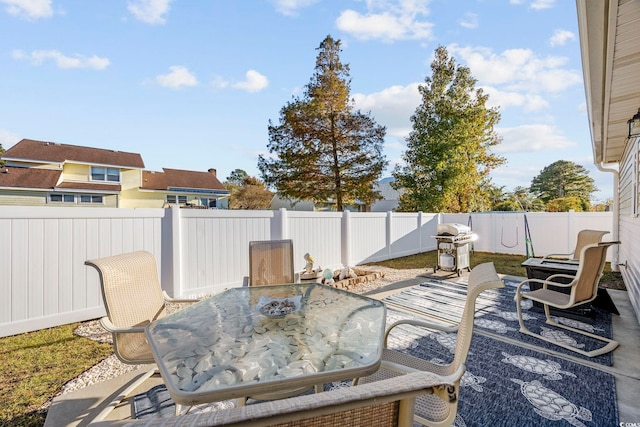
[{"x": 452, "y": 229}]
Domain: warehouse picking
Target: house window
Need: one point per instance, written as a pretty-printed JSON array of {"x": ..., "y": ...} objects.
[
  {"x": 91, "y": 199},
  {"x": 210, "y": 203},
  {"x": 105, "y": 174},
  {"x": 61, "y": 198},
  {"x": 172, "y": 198}
]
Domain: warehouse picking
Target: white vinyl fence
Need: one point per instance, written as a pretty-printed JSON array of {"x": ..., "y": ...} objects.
[{"x": 44, "y": 282}]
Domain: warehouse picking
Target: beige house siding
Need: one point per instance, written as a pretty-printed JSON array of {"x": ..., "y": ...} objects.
[
  {"x": 76, "y": 173},
  {"x": 629, "y": 224},
  {"x": 137, "y": 199},
  {"x": 37, "y": 198},
  {"x": 22, "y": 198}
]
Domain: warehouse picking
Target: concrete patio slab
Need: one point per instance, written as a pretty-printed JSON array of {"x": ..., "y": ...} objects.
[{"x": 80, "y": 407}]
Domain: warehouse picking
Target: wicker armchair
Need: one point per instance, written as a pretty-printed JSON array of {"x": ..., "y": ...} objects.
[
  {"x": 133, "y": 298},
  {"x": 385, "y": 403},
  {"x": 439, "y": 410}
]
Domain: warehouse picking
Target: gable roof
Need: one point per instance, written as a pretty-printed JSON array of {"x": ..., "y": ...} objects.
[
  {"x": 182, "y": 181},
  {"x": 42, "y": 151},
  {"x": 29, "y": 178},
  {"x": 47, "y": 179}
]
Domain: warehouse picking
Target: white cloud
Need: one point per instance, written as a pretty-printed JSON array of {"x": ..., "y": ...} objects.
[
  {"x": 518, "y": 69},
  {"x": 560, "y": 37},
  {"x": 388, "y": 20},
  {"x": 8, "y": 139},
  {"x": 391, "y": 107},
  {"x": 536, "y": 4},
  {"x": 149, "y": 11},
  {"x": 254, "y": 82},
  {"x": 177, "y": 77},
  {"x": 470, "y": 21},
  {"x": 531, "y": 138},
  {"x": 291, "y": 7},
  {"x": 542, "y": 4},
  {"x": 504, "y": 99},
  {"x": 38, "y": 57},
  {"x": 219, "y": 83},
  {"x": 29, "y": 9}
]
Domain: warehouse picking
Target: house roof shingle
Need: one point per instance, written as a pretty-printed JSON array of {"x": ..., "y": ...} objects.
[
  {"x": 29, "y": 178},
  {"x": 181, "y": 179},
  {"x": 28, "y": 149},
  {"x": 46, "y": 179}
]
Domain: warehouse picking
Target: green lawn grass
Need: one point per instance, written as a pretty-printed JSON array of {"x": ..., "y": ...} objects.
[{"x": 36, "y": 365}]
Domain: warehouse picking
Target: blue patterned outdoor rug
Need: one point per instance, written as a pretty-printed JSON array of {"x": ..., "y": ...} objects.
[
  {"x": 507, "y": 385},
  {"x": 496, "y": 315}
]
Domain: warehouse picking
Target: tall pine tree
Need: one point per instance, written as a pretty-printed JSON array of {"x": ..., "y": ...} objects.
[
  {"x": 323, "y": 150},
  {"x": 448, "y": 157}
]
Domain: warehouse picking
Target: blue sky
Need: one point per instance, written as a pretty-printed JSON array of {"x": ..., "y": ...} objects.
[{"x": 192, "y": 84}]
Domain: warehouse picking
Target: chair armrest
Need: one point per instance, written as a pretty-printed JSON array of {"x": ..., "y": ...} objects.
[
  {"x": 110, "y": 327},
  {"x": 546, "y": 283},
  {"x": 550, "y": 280},
  {"x": 404, "y": 369},
  {"x": 421, "y": 323},
  {"x": 568, "y": 256},
  {"x": 167, "y": 298}
]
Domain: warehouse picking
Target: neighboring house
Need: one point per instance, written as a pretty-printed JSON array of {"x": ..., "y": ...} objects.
[
  {"x": 610, "y": 46},
  {"x": 390, "y": 197},
  {"x": 47, "y": 173},
  {"x": 389, "y": 201},
  {"x": 186, "y": 188}
]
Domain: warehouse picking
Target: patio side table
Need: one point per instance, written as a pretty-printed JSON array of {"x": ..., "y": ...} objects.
[{"x": 232, "y": 345}]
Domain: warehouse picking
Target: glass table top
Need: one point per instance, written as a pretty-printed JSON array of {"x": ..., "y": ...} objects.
[{"x": 262, "y": 339}]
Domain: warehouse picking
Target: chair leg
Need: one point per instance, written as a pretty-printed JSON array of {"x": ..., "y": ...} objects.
[
  {"x": 124, "y": 393},
  {"x": 610, "y": 344}
]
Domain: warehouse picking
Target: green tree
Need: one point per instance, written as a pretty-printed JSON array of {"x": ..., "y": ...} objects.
[
  {"x": 563, "y": 179},
  {"x": 1, "y": 151},
  {"x": 448, "y": 156},
  {"x": 247, "y": 192},
  {"x": 565, "y": 204},
  {"x": 323, "y": 149}
]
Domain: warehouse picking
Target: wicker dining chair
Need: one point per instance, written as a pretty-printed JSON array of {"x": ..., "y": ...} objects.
[
  {"x": 432, "y": 409},
  {"x": 133, "y": 298},
  {"x": 387, "y": 403}
]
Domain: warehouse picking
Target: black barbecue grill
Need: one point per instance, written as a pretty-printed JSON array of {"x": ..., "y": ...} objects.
[{"x": 453, "y": 247}]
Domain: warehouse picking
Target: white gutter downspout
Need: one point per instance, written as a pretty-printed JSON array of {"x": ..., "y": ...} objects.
[{"x": 615, "y": 250}]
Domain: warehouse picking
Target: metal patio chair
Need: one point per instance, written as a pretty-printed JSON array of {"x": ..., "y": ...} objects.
[
  {"x": 439, "y": 410},
  {"x": 133, "y": 298},
  {"x": 583, "y": 289},
  {"x": 585, "y": 237},
  {"x": 271, "y": 263}
]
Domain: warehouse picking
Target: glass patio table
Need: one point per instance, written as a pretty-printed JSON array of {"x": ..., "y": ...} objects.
[{"x": 266, "y": 339}]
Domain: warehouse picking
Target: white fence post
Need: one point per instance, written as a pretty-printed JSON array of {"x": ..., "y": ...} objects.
[
  {"x": 345, "y": 257},
  {"x": 388, "y": 227},
  {"x": 282, "y": 227},
  {"x": 419, "y": 230},
  {"x": 172, "y": 252}
]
